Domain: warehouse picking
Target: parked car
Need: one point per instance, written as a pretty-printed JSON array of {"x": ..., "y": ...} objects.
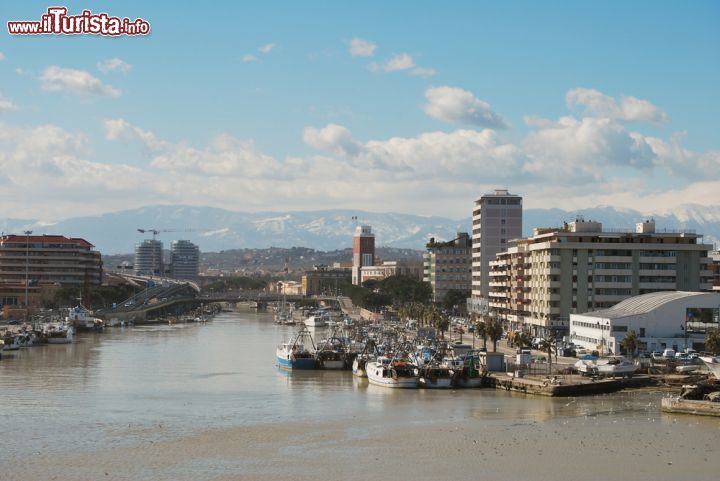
[{"x": 657, "y": 355}]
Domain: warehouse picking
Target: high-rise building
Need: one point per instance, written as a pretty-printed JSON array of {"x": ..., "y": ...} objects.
[
  {"x": 29, "y": 263},
  {"x": 149, "y": 258},
  {"x": 497, "y": 219},
  {"x": 447, "y": 265},
  {"x": 363, "y": 251},
  {"x": 577, "y": 268},
  {"x": 184, "y": 259}
]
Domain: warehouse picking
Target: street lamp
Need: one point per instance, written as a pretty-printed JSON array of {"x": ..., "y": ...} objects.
[{"x": 27, "y": 260}]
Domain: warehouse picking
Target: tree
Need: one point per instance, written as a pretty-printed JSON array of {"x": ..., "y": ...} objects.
[
  {"x": 404, "y": 289},
  {"x": 440, "y": 321},
  {"x": 630, "y": 343},
  {"x": 454, "y": 297},
  {"x": 712, "y": 341},
  {"x": 494, "y": 332},
  {"x": 481, "y": 331},
  {"x": 547, "y": 344}
]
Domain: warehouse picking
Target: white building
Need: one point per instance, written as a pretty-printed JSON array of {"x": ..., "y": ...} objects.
[
  {"x": 671, "y": 319},
  {"x": 581, "y": 267},
  {"x": 497, "y": 218}
]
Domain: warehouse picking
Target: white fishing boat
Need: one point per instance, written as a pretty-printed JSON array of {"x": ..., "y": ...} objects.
[
  {"x": 616, "y": 366},
  {"x": 82, "y": 319},
  {"x": 392, "y": 373},
  {"x": 712, "y": 363},
  {"x": 58, "y": 333},
  {"x": 11, "y": 343},
  {"x": 317, "y": 320}
]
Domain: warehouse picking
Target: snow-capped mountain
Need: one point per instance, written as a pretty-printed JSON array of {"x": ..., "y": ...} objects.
[{"x": 216, "y": 229}]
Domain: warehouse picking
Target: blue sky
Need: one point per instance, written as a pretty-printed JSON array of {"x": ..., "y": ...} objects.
[{"x": 267, "y": 106}]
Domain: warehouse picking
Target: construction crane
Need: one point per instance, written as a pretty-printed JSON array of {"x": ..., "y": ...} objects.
[{"x": 155, "y": 232}]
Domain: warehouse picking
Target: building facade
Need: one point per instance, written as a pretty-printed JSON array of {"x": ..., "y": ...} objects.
[
  {"x": 29, "y": 264},
  {"x": 324, "y": 280},
  {"x": 184, "y": 259},
  {"x": 662, "y": 320},
  {"x": 579, "y": 267},
  {"x": 149, "y": 258},
  {"x": 391, "y": 268},
  {"x": 363, "y": 251},
  {"x": 447, "y": 265},
  {"x": 496, "y": 219}
]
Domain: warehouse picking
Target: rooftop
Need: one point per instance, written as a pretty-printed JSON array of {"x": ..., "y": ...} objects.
[{"x": 645, "y": 303}]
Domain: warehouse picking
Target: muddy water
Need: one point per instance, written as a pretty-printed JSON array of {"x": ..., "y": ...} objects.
[{"x": 206, "y": 402}]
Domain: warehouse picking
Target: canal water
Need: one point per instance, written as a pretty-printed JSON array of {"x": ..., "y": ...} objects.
[{"x": 206, "y": 401}]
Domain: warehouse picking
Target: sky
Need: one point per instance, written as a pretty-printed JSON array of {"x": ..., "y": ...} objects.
[{"x": 415, "y": 107}]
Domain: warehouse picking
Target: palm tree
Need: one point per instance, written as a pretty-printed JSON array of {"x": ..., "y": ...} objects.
[
  {"x": 712, "y": 341},
  {"x": 441, "y": 322},
  {"x": 494, "y": 332},
  {"x": 481, "y": 331},
  {"x": 522, "y": 340},
  {"x": 547, "y": 344},
  {"x": 629, "y": 343}
]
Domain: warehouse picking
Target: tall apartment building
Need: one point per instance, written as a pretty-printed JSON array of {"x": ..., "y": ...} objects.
[
  {"x": 29, "y": 263},
  {"x": 497, "y": 219},
  {"x": 447, "y": 265},
  {"x": 579, "y": 267},
  {"x": 149, "y": 258},
  {"x": 363, "y": 251},
  {"x": 184, "y": 259}
]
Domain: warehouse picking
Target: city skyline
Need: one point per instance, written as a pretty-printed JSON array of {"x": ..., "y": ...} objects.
[{"x": 388, "y": 108}]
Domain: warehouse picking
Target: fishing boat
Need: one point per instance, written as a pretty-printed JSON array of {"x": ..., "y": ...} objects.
[
  {"x": 392, "y": 373},
  {"x": 318, "y": 319},
  {"x": 11, "y": 343},
  {"x": 58, "y": 333},
  {"x": 298, "y": 353},
  {"x": 712, "y": 363},
  {"x": 331, "y": 353},
  {"x": 471, "y": 373},
  {"x": 82, "y": 319},
  {"x": 436, "y": 375}
]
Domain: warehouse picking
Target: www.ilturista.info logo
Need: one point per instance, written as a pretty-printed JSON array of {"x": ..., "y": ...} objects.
[{"x": 57, "y": 22}]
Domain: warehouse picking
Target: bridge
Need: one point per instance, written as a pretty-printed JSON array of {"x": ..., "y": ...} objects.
[{"x": 177, "y": 297}]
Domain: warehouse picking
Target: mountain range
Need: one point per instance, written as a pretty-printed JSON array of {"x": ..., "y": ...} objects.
[{"x": 215, "y": 229}]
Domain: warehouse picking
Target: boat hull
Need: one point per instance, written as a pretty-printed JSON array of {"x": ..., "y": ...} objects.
[
  {"x": 376, "y": 377},
  {"x": 303, "y": 363},
  {"x": 332, "y": 364}
]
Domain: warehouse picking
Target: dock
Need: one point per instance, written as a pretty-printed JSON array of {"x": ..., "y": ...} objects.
[
  {"x": 565, "y": 385},
  {"x": 688, "y": 406}
]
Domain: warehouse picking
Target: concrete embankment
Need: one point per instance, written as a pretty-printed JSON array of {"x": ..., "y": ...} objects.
[{"x": 565, "y": 385}]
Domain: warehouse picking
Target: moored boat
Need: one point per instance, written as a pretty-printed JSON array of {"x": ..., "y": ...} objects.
[
  {"x": 392, "y": 373},
  {"x": 712, "y": 363},
  {"x": 616, "y": 366},
  {"x": 296, "y": 354},
  {"x": 58, "y": 333}
]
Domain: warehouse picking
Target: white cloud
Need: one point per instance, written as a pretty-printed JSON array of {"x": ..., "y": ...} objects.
[
  {"x": 267, "y": 48},
  {"x": 586, "y": 149},
  {"x": 452, "y": 104},
  {"x": 114, "y": 65},
  {"x": 76, "y": 81},
  {"x": 402, "y": 61},
  {"x": 629, "y": 109},
  {"x": 333, "y": 137},
  {"x": 119, "y": 129},
  {"x": 423, "y": 72},
  {"x": 6, "y": 104},
  {"x": 249, "y": 58},
  {"x": 2, "y": 56},
  {"x": 362, "y": 48}
]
